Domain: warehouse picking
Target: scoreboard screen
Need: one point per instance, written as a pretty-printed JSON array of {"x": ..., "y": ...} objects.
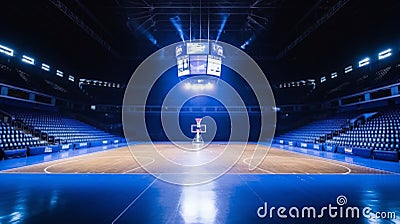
[
  {"x": 214, "y": 65},
  {"x": 198, "y": 64},
  {"x": 183, "y": 65},
  {"x": 197, "y": 48},
  {"x": 179, "y": 50},
  {"x": 199, "y": 58},
  {"x": 217, "y": 50}
]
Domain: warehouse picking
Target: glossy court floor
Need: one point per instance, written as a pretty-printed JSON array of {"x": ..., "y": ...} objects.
[{"x": 108, "y": 186}]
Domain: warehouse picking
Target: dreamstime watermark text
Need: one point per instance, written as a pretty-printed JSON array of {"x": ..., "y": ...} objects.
[{"x": 338, "y": 210}]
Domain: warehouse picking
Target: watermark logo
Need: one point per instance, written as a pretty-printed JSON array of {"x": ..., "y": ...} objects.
[
  {"x": 341, "y": 200},
  {"x": 339, "y": 210}
]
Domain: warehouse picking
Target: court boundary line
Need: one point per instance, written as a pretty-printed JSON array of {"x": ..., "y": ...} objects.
[
  {"x": 134, "y": 200},
  {"x": 140, "y": 166},
  {"x": 256, "y": 194},
  {"x": 257, "y": 167},
  {"x": 329, "y": 162},
  {"x": 331, "y": 159},
  {"x": 69, "y": 161},
  {"x": 68, "y": 157},
  {"x": 305, "y": 155}
]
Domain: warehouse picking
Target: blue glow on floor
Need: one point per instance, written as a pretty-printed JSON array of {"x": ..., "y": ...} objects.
[
  {"x": 95, "y": 198},
  {"x": 233, "y": 198}
]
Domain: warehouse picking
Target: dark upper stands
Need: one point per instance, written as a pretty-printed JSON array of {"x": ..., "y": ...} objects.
[
  {"x": 38, "y": 80},
  {"x": 374, "y": 75},
  {"x": 362, "y": 79}
]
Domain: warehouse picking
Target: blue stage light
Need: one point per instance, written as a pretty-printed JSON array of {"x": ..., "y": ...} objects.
[
  {"x": 151, "y": 38},
  {"x": 177, "y": 22},
  {"x": 247, "y": 42},
  {"x": 277, "y": 109},
  {"x": 221, "y": 28},
  {"x": 143, "y": 30},
  {"x": 28, "y": 60}
]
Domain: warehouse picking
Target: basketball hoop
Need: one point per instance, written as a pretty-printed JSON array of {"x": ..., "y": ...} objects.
[
  {"x": 198, "y": 121},
  {"x": 199, "y": 129}
]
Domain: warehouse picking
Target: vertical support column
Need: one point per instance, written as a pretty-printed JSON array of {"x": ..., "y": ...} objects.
[
  {"x": 367, "y": 97},
  {"x": 53, "y": 101},
  {"x": 395, "y": 90},
  {"x": 32, "y": 96},
  {"x": 4, "y": 91}
]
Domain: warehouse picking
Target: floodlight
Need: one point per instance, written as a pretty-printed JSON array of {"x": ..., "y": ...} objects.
[
  {"x": 363, "y": 62},
  {"x": 45, "y": 67},
  {"x": 348, "y": 69},
  {"x": 6, "y": 50},
  {"x": 60, "y": 73},
  {"x": 385, "y": 54},
  {"x": 28, "y": 60}
]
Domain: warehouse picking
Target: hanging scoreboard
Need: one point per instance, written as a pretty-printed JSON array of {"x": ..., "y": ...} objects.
[{"x": 199, "y": 58}]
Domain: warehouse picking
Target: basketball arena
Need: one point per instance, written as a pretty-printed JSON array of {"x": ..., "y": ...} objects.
[{"x": 226, "y": 111}]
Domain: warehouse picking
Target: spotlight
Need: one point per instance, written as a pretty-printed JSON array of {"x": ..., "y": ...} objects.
[
  {"x": 177, "y": 22},
  {"x": 221, "y": 28},
  {"x": 247, "y": 42},
  {"x": 141, "y": 29}
]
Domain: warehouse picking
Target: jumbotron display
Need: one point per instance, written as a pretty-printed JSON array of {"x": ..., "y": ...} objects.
[{"x": 199, "y": 58}]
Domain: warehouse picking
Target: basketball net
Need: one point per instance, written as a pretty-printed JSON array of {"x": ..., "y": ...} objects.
[{"x": 198, "y": 140}]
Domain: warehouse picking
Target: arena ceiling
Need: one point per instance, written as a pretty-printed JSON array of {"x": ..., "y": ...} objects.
[{"x": 291, "y": 39}]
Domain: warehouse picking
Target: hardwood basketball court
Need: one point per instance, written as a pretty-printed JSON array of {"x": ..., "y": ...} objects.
[{"x": 121, "y": 160}]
